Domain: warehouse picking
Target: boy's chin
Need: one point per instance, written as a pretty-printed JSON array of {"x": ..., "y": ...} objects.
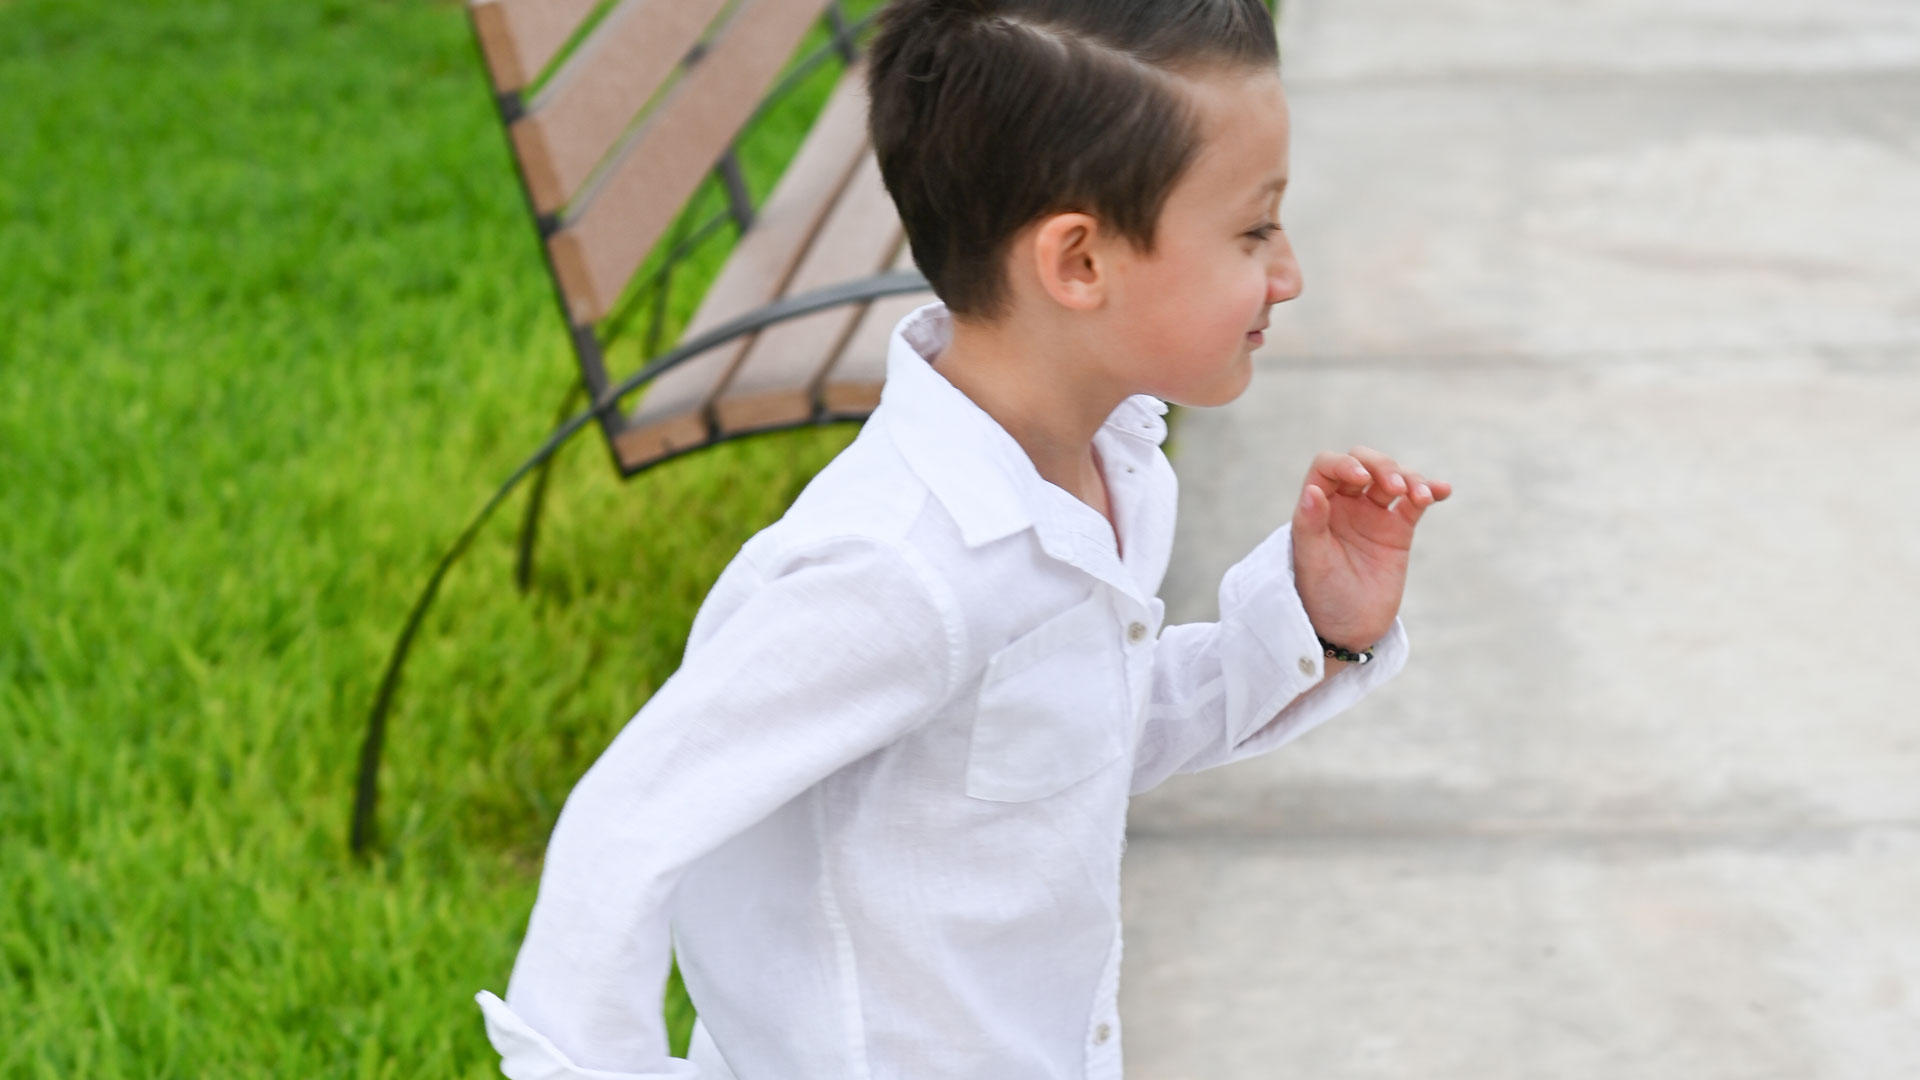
[
  {"x": 1221, "y": 392},
  {"x": 1208, "y": 401},
  {"x": 1227, "y": 385}
]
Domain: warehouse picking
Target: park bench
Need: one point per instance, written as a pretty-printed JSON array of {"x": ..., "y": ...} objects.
[{"x": 621, "y": 114}]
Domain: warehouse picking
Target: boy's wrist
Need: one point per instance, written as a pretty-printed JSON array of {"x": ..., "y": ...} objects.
[{"x": 1345, "y": 654}]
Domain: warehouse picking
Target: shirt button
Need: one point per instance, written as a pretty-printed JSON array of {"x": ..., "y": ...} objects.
[
  {"x": 1137, "y": 632},
  {"x": 1306, "y": 666},
  {"x": 1101, "y": 1034}
]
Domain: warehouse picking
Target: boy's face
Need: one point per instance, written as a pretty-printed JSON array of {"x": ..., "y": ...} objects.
[{"x": 1186, "y": 318}]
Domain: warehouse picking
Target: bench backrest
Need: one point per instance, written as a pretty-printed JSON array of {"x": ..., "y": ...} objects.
[{"x": 619, "y": 111}]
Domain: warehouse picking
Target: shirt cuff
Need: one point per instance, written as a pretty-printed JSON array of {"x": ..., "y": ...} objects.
[
  {"x": 1331, "y": 696},
  {"x": 525, "y": 1054},
  {"x": 1302, "y": 696}
]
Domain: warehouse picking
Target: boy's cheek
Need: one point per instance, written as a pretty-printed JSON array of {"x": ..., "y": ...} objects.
[
  {"x": 1194, "y": 312},
  {"x": 1238, "y": 299}
]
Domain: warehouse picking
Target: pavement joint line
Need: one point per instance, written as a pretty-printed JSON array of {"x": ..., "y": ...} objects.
[
  {"x": 1594, "y": 78},
  {"x": 1896, "y": 357},
  {"x": 1670, "y": 838}
]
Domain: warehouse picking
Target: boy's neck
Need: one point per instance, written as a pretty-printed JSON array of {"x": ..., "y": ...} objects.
[{"x": 1042, "y": 389}]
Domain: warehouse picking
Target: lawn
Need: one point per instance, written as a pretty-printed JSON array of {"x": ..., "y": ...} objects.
[{"x": 275, "y": 324}]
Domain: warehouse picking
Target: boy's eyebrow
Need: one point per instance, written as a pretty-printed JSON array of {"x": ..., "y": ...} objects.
[{"x": 1277, "y": 184}]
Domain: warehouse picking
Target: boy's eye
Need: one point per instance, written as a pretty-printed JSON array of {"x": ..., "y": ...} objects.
[{"x": 1265, "y": 232}]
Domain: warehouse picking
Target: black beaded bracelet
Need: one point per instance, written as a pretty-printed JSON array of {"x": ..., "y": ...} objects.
[{"x": 1335, "y": 652}]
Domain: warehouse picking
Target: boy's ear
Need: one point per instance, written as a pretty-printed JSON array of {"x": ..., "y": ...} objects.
[{"x": 1069, "y": 260}]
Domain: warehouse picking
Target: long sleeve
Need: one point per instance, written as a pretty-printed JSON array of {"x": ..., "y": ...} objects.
[
  {"x": 1229, "y": 690},
  {"x": 829, "y": 658}
]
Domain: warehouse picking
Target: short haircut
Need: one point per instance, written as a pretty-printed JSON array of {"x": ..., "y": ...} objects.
[{"x": 988, "y": 115}]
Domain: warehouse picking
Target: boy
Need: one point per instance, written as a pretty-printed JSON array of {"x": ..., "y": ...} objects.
[{"x": 879, "y": 810}]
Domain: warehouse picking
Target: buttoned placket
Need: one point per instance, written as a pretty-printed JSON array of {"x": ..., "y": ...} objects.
[
  {"x": 1103, "y": 1044},
  {"x": 1069, "y": 531},
  {"x": 1075, "y": 533}
]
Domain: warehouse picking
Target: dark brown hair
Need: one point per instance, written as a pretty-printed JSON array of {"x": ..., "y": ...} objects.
[{"x": 991, "y": 114}]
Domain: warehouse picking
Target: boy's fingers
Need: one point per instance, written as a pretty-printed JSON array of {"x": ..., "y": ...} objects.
[
  {"x": 1419, "y": 490},
  {"x": 1410, "y": 509},
  {"x": 1368, "y": 471},
  {"x": 1422, "y": 493},
  {"x": 1339, "y": 474},
  {"x": 1386, "y": 477},
  {"x": 1428, "y": 491}
]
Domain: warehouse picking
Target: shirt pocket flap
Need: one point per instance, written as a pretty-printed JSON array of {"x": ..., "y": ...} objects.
[{"x": 1052, "y": 707}]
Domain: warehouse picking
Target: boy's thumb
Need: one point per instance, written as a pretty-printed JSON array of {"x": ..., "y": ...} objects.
[{"x": 1310, "y": 516}]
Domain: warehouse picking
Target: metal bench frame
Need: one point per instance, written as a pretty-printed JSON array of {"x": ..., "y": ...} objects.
[{"x": 517, "y": 39}]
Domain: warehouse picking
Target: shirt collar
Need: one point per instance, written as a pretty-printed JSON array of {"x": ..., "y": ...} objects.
[{"x": 980, "y": 474}]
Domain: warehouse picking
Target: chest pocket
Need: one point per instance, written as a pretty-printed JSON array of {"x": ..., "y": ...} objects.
[{"x": 1052, "y": 707}]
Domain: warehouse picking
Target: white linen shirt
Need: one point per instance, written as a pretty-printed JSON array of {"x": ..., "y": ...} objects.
[{"x": 878, "y": 812}]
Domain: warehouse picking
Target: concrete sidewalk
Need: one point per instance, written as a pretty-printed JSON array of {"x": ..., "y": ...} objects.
[{"x": 1643, "y": 280}]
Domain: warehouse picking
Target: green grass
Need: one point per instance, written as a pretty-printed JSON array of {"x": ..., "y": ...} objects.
[{"x": 274, "y": 325}]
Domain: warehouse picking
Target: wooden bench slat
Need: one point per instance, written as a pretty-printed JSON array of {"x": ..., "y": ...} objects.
[
  {"x": 578, "y": 117},
  {"x": 672, "y": 411},
  {"x": 853, "y": 382},
  {"x": 774, "y": 382},
  {"x": 519, "y": 37},
  {"x": 657, "y": 170}
]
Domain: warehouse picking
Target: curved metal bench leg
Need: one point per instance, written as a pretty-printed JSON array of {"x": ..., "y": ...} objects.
[
  {"x": 536, "y": 500},
  {"x": 366, "y": 789},
  {"x": 366, "y": 793}
]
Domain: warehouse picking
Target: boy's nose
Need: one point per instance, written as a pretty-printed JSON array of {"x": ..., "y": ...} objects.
[
  {"x": 1283, "y": 274},
  {"x": 1283, "y": 281}
]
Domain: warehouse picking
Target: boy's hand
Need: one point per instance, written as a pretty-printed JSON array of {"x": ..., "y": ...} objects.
[{"x": 1352, "y": 530}]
